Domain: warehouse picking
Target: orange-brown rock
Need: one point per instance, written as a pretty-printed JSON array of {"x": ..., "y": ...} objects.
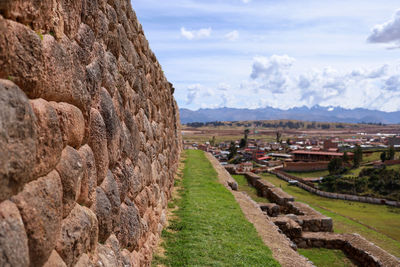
[
  {"x": 87, "y": 194},
  {"x": 72, "y": 123},
  {"x": 55, "y": 260},
  {"x": 102, "y": 209},
  {"x": 98, "y": 143},
  {"x": 130, "y": 228},
  {"x": 40, "y": 205},
  {"x": 17, "y": 139},
  {"x": 13, "y": 241},
  {"x": 49, "y": 140},
  {"x": 70, "y": 169},
  {"x": 80, "y": 227},
  {"x": 110, "y": 187}
]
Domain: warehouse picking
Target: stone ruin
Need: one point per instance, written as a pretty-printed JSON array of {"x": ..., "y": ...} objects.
[
  {"x": 308, "y": 228},
  {"x": 89, "y": 135}
]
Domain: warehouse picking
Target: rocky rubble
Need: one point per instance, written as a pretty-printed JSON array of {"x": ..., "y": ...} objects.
[{"x": 89, "y": 135}]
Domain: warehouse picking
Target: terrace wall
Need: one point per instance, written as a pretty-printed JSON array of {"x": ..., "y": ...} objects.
[
  {"x": 305, "y": 166},
  {"x": 89, "y": 135},
  {"x": 370, "y": 200}
]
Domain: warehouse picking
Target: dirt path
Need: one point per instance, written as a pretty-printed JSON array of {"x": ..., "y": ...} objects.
[{"x": 268, "y": 231}]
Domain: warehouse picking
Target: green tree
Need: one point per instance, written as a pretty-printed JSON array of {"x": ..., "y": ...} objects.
[
  {"x": 243, "y": 141},
  {"x": 212, "y": 141},
  {"x": 391, "y": 152},
  {"x": 278, "y": 136},
  {"x": 345, "y": 157},
  {"x": 232, "y": 150},
  {"x": 383, "y": 156},
  {"x": 358, "y": 155},
  {"x": 335, "y": 166}
]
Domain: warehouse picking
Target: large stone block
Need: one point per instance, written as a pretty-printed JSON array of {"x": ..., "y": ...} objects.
[
  {"x": 55, "y": 260},
  {"x": 14, "y": 249},
  {"x": 72, "y": 124},
  {"x": 21, "y": 57},
  {"x": 84, "y": 261},
  {"x": 40, "y": 205},
  {"x": 98, "y": 143},
  {"x": 65, "y": 76},
  {"x": 110, "y": 188},
  {"x": 113, "y": 126},
  {"x": 17, "y": 139},
  {"x": 70, "y": 169},
  {"x": 130, "y": 227},
  {"x": 102, "y": 209},
  {"x": 49, "y": 139},
  {"x": 87, "y": 195},
  {"x": 80, "y": 227}
]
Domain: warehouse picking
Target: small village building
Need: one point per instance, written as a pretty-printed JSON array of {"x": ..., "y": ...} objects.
[
  {"x": 394, "y": 141},
  {"x": 246, "y": 167}
]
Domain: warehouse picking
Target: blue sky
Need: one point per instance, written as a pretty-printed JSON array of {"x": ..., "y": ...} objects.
[{"x": 257, "y": 53}]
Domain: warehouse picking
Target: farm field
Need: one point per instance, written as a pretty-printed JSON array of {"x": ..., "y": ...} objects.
[
  {"x": 207, "y": 226},
  {"x": 379, "y": 224}
]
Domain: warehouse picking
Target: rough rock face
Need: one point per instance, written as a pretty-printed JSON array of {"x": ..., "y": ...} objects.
[{"x": 89, "y": 135}]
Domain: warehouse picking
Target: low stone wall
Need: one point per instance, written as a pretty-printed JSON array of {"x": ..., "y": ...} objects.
[
  {"x": 354, "y": 246},
  {"x": 370, "y": 200},
  {"x": 305, "y": 166},
  {"x": 268, "y": 190},
  {"x": 308, "y": 228}
]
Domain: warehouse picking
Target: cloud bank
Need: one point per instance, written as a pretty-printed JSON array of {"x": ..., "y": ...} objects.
[{"x": 273, "y": 82}]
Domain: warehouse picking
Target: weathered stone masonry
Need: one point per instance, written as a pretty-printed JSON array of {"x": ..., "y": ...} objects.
[{"x": 89, "y": 135}]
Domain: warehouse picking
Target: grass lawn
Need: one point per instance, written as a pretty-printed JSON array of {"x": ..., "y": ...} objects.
[
  {"x": 245, "y": 187},
  {"x": 355, "y": 172},
  {"x": 353, "y": 217},
  {"x": 315, "y": 174},
  {"x": 322, "y": 257},
  {"x": 373, "y": 157},
  {"x": 393, "y": 167},
  {"x": 208, "y": 227}
]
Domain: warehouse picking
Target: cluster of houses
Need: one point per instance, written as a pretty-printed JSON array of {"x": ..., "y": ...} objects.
[{"x": 300, "y": 154}]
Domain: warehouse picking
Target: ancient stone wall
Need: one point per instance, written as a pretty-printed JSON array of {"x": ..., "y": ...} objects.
[
  {"x": 89, "y": 135},
  {"x": 305, "y": 166}
]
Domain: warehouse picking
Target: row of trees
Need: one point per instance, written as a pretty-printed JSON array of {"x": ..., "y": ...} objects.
[
  {"x": 337, "y": 165},
  {"x": 388, "y": 155}
]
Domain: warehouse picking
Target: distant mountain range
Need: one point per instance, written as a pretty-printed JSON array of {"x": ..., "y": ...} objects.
[{"x": 316, "y": 113}]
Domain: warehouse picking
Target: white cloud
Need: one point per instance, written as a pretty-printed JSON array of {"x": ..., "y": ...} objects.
[
  {"x": 388, "y": 32},
  {"x": 246, "y": 1},
  {"x": 232, "y": 36},
  {"x": 273, "y": 72},
  {"x": 196, "y": 34}
]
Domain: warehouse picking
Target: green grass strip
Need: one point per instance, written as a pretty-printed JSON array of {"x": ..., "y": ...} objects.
[
  {"x": 210, "y": 228},
  {"x": 322, "y": 257}
]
